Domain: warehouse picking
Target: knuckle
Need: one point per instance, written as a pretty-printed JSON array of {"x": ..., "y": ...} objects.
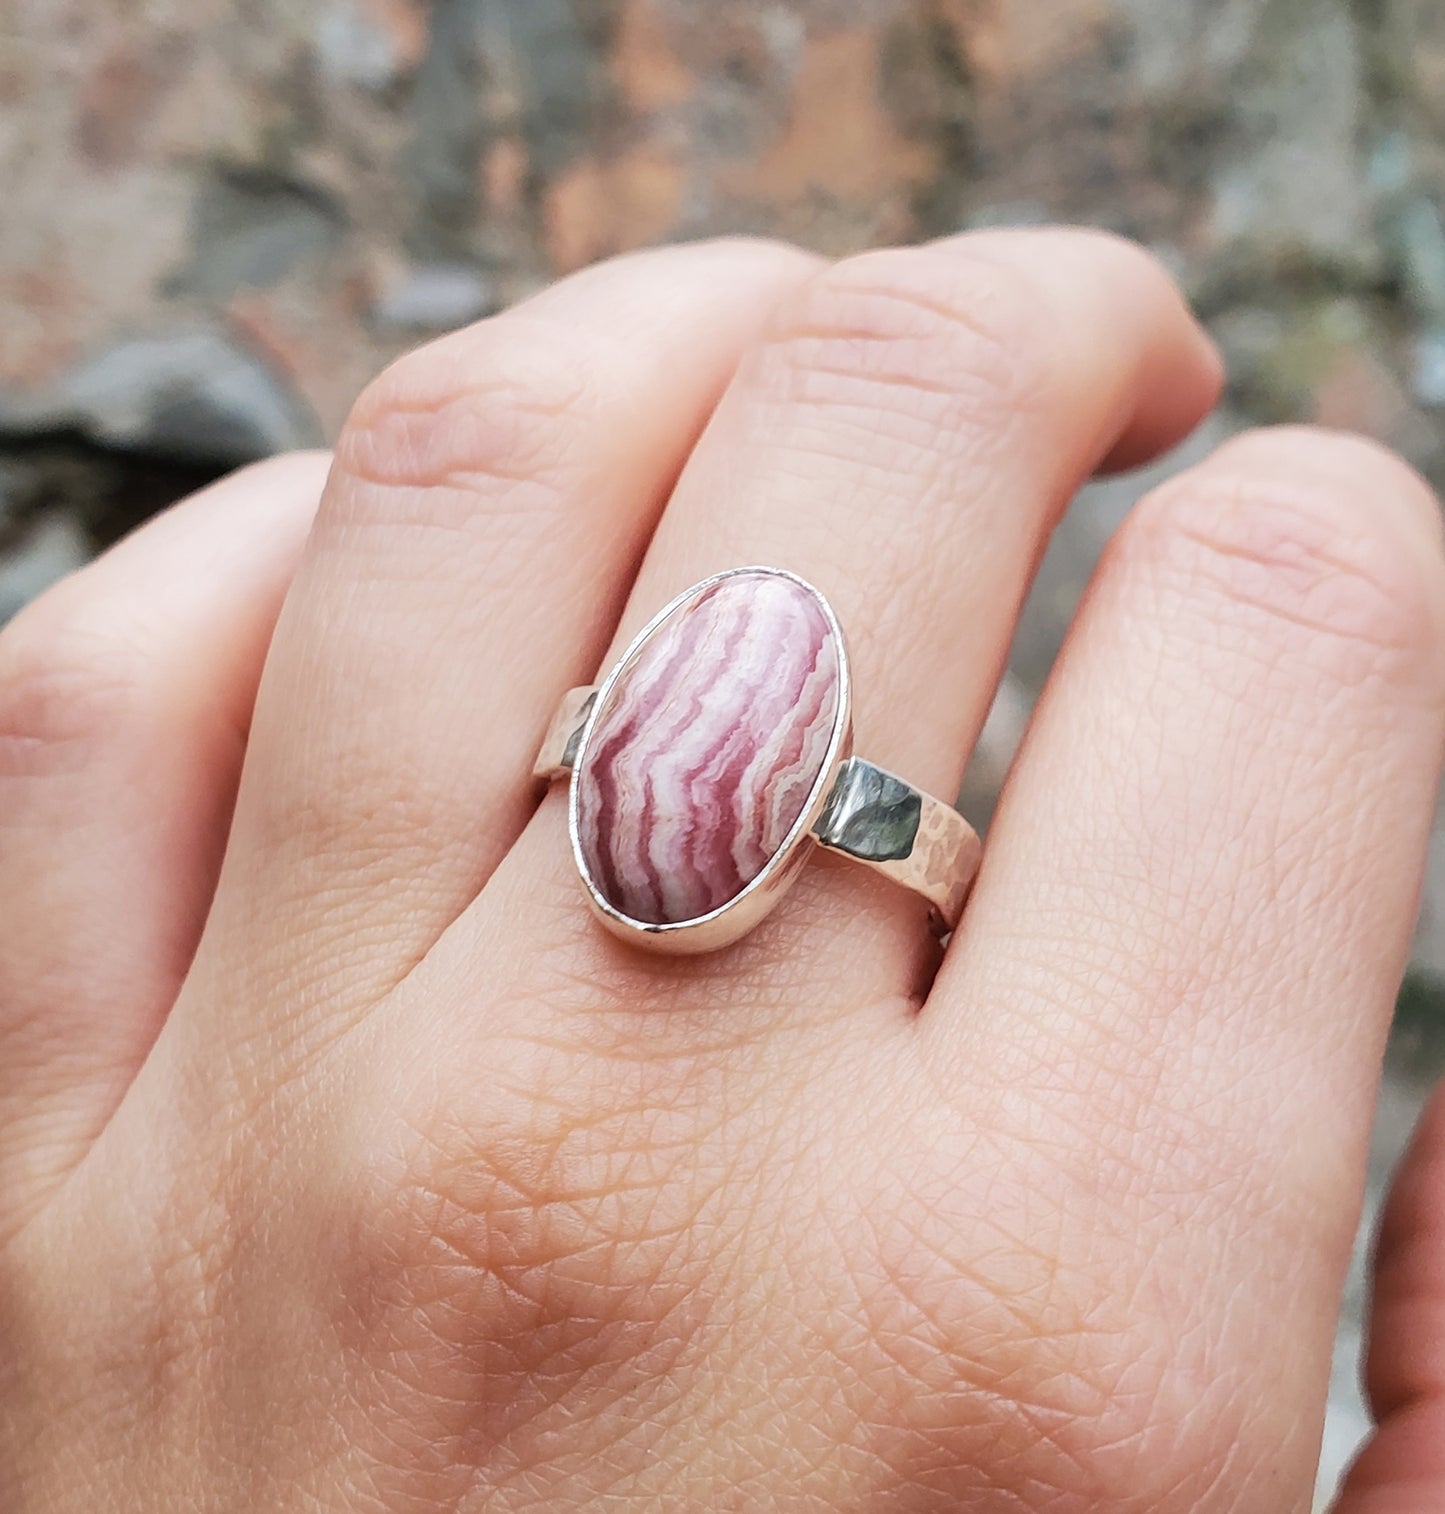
[
  {"x": 509, "y": 1251},
  {"x": 957, "y": 336},
  {"x": 70, "y": 681},
  {"x": 1129, "y": 263},
  {"x": 729, "y": 254},
  {"x": 1306, "y": 557},
  {"x": 994, "y": 1335},
  {"x": 489, "y": 407}
]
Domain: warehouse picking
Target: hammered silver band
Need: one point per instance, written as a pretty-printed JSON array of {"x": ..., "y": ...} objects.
[
  {"x": 870, "y": 815},
  {"x": 718, "y": 754}
]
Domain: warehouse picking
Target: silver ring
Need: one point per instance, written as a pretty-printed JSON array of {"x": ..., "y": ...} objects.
[{"x": 718, "y": 753}]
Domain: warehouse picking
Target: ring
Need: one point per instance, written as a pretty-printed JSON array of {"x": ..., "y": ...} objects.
[{"x": 718, "y": 753}]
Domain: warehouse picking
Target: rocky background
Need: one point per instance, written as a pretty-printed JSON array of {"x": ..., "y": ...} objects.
[{"x": 220, "y": 217}]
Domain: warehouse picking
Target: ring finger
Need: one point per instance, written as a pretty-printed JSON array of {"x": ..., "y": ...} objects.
[{"x": 490, "y": 498}]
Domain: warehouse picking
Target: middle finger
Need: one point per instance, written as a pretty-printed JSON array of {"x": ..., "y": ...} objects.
[{"x": 904, "y": 435}]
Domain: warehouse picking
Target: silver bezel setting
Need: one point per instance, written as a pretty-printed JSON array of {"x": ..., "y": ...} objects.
[{"x": 733, "y": 920}]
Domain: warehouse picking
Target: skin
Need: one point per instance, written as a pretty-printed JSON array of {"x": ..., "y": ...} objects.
[{"x": 345, "y": 1164}]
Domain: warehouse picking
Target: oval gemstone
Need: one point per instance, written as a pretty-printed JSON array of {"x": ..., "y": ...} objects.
[{"x": 708, "y": 748}]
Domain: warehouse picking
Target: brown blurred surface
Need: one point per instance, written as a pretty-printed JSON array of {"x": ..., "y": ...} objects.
[{"x": 319, "y": 182}]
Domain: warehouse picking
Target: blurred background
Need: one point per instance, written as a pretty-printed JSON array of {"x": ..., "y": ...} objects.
[{"x": 219, "y": 218}]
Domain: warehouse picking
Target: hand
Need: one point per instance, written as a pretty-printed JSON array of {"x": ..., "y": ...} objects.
[{"x": 363, "y": 1172}]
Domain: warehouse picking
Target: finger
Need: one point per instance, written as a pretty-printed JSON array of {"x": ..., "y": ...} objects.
[
  {"x": 903, "y": 436},
  {"x": 491, "y": 497},
  {"x": 1174, "y": 981},
  {"x": 1402, "y": 1469},
  {"x": 125, "y": 695}
]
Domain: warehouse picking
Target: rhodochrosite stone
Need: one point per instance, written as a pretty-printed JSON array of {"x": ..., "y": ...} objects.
[{"x": 708, "y": 748}]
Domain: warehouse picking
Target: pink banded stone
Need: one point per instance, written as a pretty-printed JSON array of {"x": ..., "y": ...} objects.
[{"x": 708, "y": 748}]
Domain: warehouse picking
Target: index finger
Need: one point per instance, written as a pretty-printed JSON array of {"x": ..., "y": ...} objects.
[{"x": 1179, "y": 967}]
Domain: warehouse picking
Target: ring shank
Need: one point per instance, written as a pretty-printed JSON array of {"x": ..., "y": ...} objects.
[
  {"x": 918, "y": 841},
  {"x": 871, "y": 816},
  {"x": 564, "y": 735}
]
